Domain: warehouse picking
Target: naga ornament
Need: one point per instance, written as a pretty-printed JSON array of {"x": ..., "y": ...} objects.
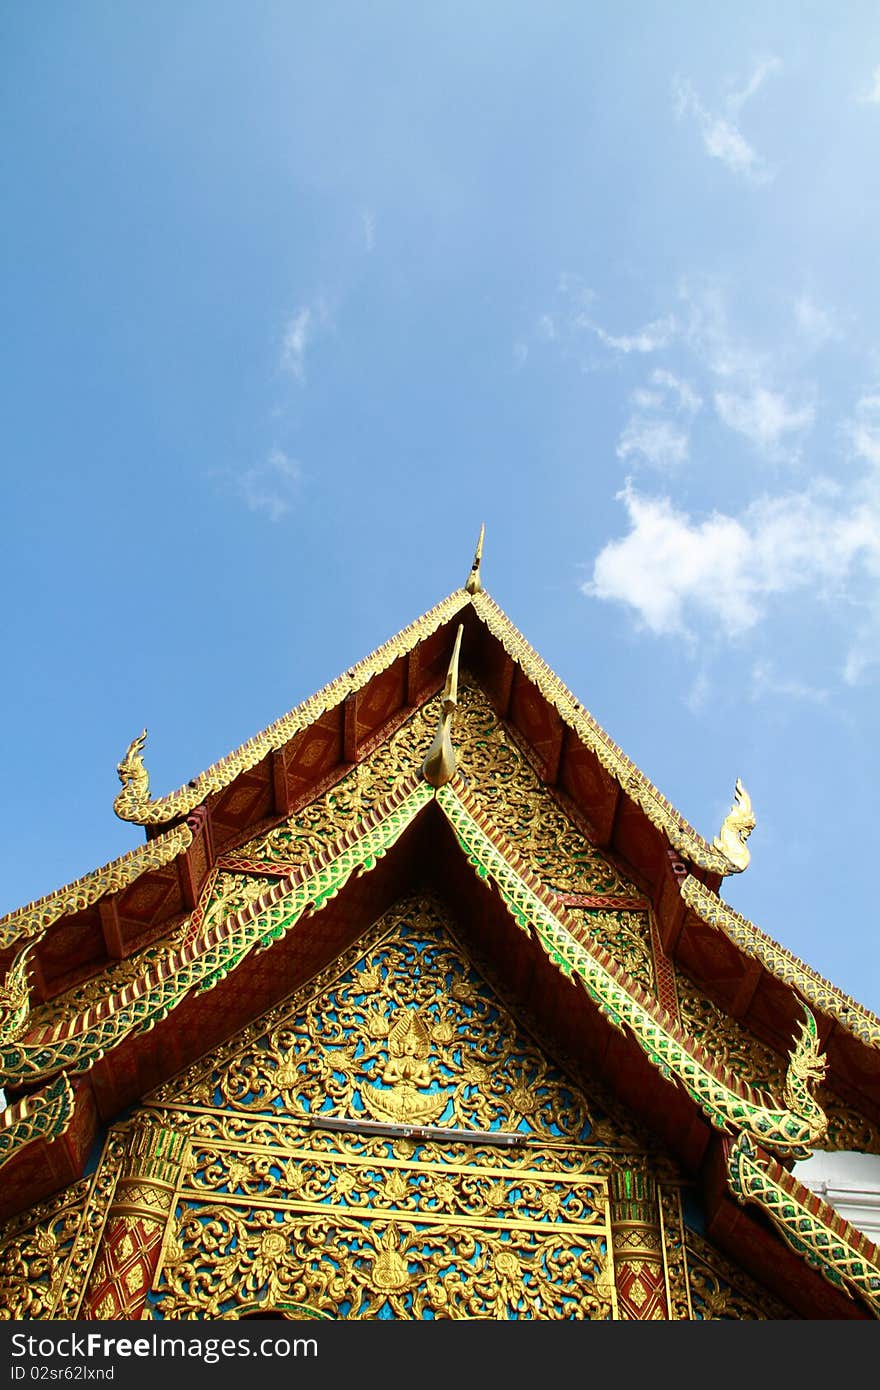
[
  {"x": 736, "y": 829},
  {"x": 15, "y": 999},
  {"x": 135, "y": 780},
  {"x": 806, "y": 1068}
]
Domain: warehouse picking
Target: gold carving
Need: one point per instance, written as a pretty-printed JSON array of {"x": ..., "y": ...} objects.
[
  {"x": 737, "y": 827},
  {"x": 634, "y": 783},
  {"x": 439, "y": 762},
  {"x": 44, "y": 1114},
  {"x": 720, "y": 1290},
  {"x": 276, "y": 1208},
  {"x": 501, "y": 779},
  {"x": 15, "y": 998},
  {"x": 740, "y": 1052},
  {"x": 843, "y": 1255},
  {"x": 792, "y": 1131},
  {"x": 806, "y": 1068},
  {"x": 637, "y": 1292},
  {"x": 134, "y": 778},
  {"x": 35, "y": 1254}
]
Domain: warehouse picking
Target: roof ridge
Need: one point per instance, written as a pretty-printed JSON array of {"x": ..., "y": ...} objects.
[
  {"x": 143, "y": 811},
  {"x": 783, "y": 964},
  {"x": 127, "y": 1009},
  {"x": 660, "y": 811},
  {"x": 24, "y": 923},
  {"x": 808, "y": 1224}
]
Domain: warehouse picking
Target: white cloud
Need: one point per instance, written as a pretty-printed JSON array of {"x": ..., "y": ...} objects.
[
  {"x": 726, "y": 142},
  {"x": 765, "y": 66},
  {"x": 725, "y": 571},
  {"x": 814, "y": 322},
  {"x": 271, "y": 487},
  {"x": 648, "y": 339},
  {"x": 661, "y": 443},
  {"x": 687, "y": 398},
  {"x": 763, "y": 416},
  {"x": 299, "y": 332},
  {"x": 658, "y": 433},
  {"x": 698, "y": 695},
  {"x": 520, "y": 353},
  {"x": 766, "y": 681},
  {"x": 748, "y": 400},
  {"x": 722, "y": 137},
  {"x": 293, "y": 346},
  {"x": 864, "y": 429},
  {"x": 708, "y": 334},
  {"x": 667, "y": 564}
]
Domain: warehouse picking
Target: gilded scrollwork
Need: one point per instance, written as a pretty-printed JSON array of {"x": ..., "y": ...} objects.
[
  {"x": 275, "y": 1209},
  {"x": 35, "y": 1254},
  {"x": 210, "y": 956},
  {"x": 111, "y": 978},
  {"x": 501, "y": 780},
  {"x": 674, "y": 1257},
  {"x": 843, "y": 1255},
  {"x": 401, "y": 1048},
  {"x": 44, "y": 1114},
  {"x": 626, "y": 936},
  {"x": 720, "y": 1290},
  {"x": 383, "y": 1266}
]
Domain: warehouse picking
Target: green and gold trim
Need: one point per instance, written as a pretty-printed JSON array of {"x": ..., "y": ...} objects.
[
  {"x": 77, "y": 1042},
  {"x": 726, "y": 1102},
  {"x": 45, "y": 1114},
  {"x": 809, "y": 1226}
]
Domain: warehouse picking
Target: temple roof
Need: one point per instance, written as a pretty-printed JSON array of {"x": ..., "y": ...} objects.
[{"x": 142, "y": 923}]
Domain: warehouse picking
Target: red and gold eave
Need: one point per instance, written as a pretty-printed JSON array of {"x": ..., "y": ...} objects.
[{"x": 622, "y": 813}]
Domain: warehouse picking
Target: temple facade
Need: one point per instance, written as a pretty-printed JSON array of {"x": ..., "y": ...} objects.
[{"x": 424, "y": 1003}]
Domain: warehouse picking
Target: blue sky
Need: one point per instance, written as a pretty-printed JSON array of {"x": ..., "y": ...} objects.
[{"x": 297, "y": 296}]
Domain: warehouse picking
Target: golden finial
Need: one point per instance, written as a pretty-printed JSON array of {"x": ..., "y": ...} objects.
[
  {"x": 737, "y": 827},
  {"x": 439, "y": 764},
  {"x": 134, "y": 776},
  {"x": 474, "y": 583}
]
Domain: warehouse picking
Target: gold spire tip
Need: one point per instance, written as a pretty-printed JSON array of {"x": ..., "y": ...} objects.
[{"x": 474, "y": 584}]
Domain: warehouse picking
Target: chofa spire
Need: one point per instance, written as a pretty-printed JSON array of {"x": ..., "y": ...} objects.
[
  {"x": 737, "y": 827},
  {"x": 439, "y": 764},
  {"x": 474, "y": 584}
]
